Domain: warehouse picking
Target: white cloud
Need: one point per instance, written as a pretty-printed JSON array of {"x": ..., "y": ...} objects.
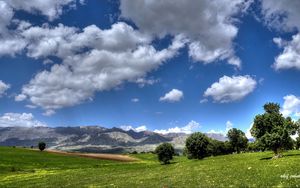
[
  {"x": 135, "y": 100},
  {"x": 11, "y": 45},
  {"x": 174, "y": 95},
  {"x": 12, "y": 42},
  {"x": 290, "y": 57},
  {"x": 229, "y": 125},
  {"x": 142, "y": 82},
  {"x": 291, "y": 106},
  {"x": 47, "y": 61},
  {"x": 49, "y": 112},
  {"x": 6, "y": 14},
  {"x": 19, "y": 120},
  {"x": 208, "y": 25},
  {"x": 20, "y": 97},
  {"x": 63, "y": 41},
  {"x": 115, "y": 56},
  {"x": 3, "y": 87},
  {"x": 137, "y": 129},
  {"x": 188, "y": 129},
  {"x": 202, "y": 101},
  {"x": 50, "y": 8},
  {"x": 229, "y": 89},
  {"x": 281, "y": 14},
  {"x": 248, "y": 133},
  {"x": 235, "y": 61}
]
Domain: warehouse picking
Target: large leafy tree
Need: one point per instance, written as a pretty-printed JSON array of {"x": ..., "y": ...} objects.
[
  {"x": 197, "y": 145},
  {"x": 238, "y": 139},
  {"x": 273, "y": 130}
]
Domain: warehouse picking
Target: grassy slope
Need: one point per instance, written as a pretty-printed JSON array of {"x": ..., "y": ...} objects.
[{"x": 25, "y": 168}]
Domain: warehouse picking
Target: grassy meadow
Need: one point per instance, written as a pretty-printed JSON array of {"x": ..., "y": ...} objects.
[{"x": 27, "y": 168}]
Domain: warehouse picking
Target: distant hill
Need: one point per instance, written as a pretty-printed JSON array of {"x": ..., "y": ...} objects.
[{"x": 92, "y": 138}]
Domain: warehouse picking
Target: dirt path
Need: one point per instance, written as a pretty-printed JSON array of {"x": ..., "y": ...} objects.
[{"x": 114, "y": 157}]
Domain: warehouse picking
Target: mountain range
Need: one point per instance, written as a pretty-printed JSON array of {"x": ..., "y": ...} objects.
[{"x": 92, "y": 138}]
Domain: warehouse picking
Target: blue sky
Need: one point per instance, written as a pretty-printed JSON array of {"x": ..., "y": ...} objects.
[{"x": 171, "y": 66}]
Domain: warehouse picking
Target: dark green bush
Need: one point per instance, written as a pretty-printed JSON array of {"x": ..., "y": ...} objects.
[
  {"x": 42, "y": 146},
  {"x": 165, "y": 152}
]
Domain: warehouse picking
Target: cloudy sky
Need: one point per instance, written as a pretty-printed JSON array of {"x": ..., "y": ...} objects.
[{"x": 166, "y": 66}]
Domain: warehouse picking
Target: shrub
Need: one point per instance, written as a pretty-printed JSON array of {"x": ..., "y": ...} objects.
[
  {"x": 197, "y": 145},
  {"x": 165, "y": 152},
  {"x": 42, "y": 146}
]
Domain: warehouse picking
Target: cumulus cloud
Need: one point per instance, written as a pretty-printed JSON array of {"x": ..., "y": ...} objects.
[
  {"x": 11, "y": 45},
  {"x": 291, "y": 106},
  {"x": 208, "y": 25},
  {"x": 63, "y": 41},
  {"x": 137, "y": 129},
  {"x": 229, "y": 89},
  {"x": 19, "y": 120},
  {"x": 174, "y": 95},
  {"x": 11, "y": 40},
  {"x": 281, "y": 14},
  {"x": 6, "y": 14},
  {"x": 115, "y": 55},
  {"x": 187, "y": 129},
  {"x": 290, "y": 57},
  {"x": 3, "y": 87},
  {"x": 50, "y": 8}
]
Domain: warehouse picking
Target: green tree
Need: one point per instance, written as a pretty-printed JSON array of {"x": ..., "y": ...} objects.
[
  {"x": 272, "y": 130},
  {"x": 42, "y": 146},
  {"x": 255, "y": 146},
  {"x": 238, "y": 139},
  {"x": 165, "y": 152},
  {"x": 197, "y": 145},
  {"x": 297, "y": 141},
  {"x": 297, "y": 144}
]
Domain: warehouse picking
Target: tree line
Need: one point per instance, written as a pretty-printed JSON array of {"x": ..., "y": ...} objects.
[{"x": 271, "y": 130}]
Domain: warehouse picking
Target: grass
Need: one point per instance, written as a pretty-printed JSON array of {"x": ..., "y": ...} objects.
[{"x": 27, "y": 168}]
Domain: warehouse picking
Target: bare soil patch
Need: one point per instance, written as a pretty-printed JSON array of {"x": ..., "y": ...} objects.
[{"x": 114, "y": 157}]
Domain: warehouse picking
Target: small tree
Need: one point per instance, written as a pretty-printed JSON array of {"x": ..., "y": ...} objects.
[
  {"x": 42, "y": 146},
  {"x": 197, "y": 145},
  {"x": 238, "y": 139},
  {"x": 272, "y": 130},
  {"x": 165, "y": 152}
]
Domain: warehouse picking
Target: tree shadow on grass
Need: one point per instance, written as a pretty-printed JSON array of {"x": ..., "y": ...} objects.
[
  {"x": 266, "y": 158},
  {"x": 171, "y": 163},
  {"x": 285, "y": 155},
  {"x": 291, "y": 154}
]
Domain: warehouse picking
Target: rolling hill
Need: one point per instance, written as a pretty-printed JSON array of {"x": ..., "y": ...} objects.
[{"x": 28, "y": 168}]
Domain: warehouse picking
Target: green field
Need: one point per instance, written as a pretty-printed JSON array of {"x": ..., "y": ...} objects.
[{"x": 27, "y": 168}]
